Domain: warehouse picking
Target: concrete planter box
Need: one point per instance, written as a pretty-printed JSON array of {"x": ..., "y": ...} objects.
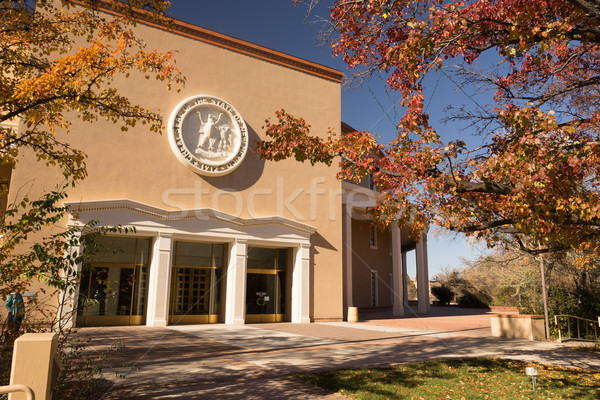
[
  {"x": 516, "y": 326},
  {"x": 35, "y": 364},
  {"x": 501, "y": 309}
]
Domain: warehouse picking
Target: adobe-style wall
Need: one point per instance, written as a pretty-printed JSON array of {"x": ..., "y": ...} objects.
[
  {"x": 366, "y": 258},
  {"x": 140, "y": 165}
]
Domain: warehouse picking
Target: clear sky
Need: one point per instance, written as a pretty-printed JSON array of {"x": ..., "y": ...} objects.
[{"x": 279, "y": 25}]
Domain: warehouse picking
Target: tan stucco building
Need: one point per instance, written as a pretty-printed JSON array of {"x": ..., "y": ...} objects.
[{"x": 220, "y": 235}]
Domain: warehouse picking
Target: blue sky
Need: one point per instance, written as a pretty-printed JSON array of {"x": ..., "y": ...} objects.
[{"x": 279, "y": 25}]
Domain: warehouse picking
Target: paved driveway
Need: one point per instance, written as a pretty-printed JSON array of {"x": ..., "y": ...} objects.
[{"x": 254, "y": 361}]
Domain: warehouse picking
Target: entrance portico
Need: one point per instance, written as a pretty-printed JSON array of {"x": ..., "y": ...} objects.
[
  {"x": 288, "y": 278},
  {"x": 383, "y": 257}
]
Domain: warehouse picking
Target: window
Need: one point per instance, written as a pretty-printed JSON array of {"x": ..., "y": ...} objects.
[
  {"x": 114, "y": 282},
  {"x": 373, "y": 237},
  {"x": 373, "y": 288},
  {"x": 371, "y": 182}
]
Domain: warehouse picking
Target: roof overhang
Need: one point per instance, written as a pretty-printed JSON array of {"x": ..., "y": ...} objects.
[{"x": 201, "y": 221}]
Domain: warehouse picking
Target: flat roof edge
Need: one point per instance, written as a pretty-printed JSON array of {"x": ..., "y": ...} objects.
[{"x": 229, "y": 42}]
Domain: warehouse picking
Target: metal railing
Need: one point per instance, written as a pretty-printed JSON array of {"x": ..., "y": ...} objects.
[
  {"x": 570, "y": 327},
  {"x": 18, "y": 388}
]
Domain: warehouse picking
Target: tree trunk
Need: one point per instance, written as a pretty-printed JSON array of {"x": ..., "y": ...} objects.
[{"x": 544, "y": 296}]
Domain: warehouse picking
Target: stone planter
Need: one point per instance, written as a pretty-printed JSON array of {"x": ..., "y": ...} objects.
[{"x": 516, "y": 326}]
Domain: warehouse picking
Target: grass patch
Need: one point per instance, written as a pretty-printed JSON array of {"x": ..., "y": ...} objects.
[{"x": 472, "y": 378}]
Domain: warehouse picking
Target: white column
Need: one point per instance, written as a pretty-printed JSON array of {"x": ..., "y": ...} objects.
[
  {"x": 397, "y": 267},
  {"x": 160, "y": 281},
  {"x": 67, "y": 307},
  {"x": 404, "y": 280},
  {"x": 235, "y": 299},
  {"x": 422, "y": 275},
  {"x": 301, "y": 285},
  {"x": 347, "y": 246},
  {"x": 426, "y": 266}
]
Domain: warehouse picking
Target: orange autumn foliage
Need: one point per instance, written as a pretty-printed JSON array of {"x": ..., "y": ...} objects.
[{"x": 532, "y": 177}]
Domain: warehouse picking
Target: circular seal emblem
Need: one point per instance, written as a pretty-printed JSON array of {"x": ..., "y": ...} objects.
[{"x": 208, "y": 134}]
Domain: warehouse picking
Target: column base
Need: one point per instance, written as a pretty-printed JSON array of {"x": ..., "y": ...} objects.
[
  {"x": 157, "y": 323},
  {"x": 398, "y": 311}
]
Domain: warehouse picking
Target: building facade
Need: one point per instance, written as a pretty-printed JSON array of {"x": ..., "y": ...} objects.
[{"x": 220, "y": 236}]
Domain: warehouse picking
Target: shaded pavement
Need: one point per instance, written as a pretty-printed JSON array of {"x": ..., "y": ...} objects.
[{"x": 254, "y": 361}]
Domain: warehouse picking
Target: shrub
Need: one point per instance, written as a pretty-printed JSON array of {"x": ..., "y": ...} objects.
[
  {"x": 443, "y": 293},
  {"x": 472, "y": 300}
]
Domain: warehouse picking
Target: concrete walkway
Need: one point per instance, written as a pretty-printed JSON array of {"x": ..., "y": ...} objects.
[
  {"x": 473, "y": 322},
  {"x": 254, "y": 361}
]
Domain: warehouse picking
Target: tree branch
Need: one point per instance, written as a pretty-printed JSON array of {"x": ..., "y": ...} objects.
[{"x": 485, "y": 226}]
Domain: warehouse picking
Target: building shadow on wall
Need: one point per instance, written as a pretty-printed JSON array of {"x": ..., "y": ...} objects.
[{"x": 318, "y": 242}]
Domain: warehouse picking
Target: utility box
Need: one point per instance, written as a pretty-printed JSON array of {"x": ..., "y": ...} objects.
[{"x": 35, "y": 364}]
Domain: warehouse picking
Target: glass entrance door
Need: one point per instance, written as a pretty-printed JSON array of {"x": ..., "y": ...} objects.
[
  {"x": 113, "y": 284},
  {"x": 265, "y": 285},
  {"x": 195, "y": 283}
]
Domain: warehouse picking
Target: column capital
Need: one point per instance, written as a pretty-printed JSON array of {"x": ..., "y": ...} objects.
[
  {"x": 240, "y": 246},
  {"x": 304, "y": 249}
]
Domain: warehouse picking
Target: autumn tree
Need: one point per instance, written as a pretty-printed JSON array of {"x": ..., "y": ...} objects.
[
  {"x": 58, "y": 62},
  {"x": 531, "y": 177},
  {"x": 505, "y": 277},
  {"x": 508, "y": 277}
]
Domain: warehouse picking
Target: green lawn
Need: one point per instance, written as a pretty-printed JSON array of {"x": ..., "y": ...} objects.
[{"x": 473, "y": 378}]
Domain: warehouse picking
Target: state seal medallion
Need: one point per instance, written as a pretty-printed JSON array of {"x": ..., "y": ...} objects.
[{"x": 208, "y": 135}]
